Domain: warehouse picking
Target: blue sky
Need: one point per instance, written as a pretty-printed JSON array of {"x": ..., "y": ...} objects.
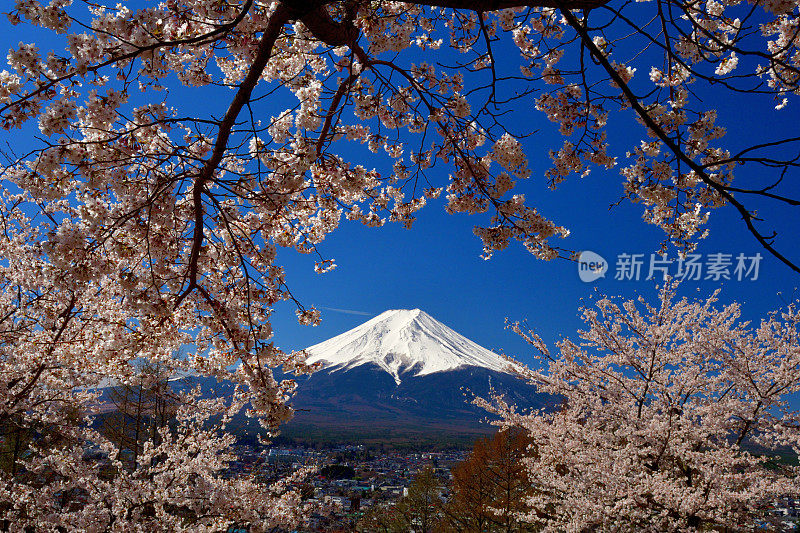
[{"x": 436, "y": 266}]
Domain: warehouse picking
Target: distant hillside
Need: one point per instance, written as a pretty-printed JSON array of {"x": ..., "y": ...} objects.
[{"x": 400, "y": 378}]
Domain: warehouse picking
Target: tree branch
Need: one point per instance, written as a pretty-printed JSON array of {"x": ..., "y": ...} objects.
[
  {"x": 280, "y": 17},
  {"x": 721, "y": 189}
]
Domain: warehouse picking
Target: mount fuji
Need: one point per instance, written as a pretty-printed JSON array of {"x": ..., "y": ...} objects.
[
  {"x": 402, "y": 376},
  {"x": 404, "y": 342}
]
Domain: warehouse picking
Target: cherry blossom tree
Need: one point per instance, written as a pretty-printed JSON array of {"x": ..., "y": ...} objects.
[
  {"x": 675, "y": 417},
  {"x": 160, "y": 153},
  {"x": 177, "y": 484}
]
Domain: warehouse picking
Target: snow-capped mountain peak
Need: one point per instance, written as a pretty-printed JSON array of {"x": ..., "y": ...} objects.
[{"x": 401, "y": 341}]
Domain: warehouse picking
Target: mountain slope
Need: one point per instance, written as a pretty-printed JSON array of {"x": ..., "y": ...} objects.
[
  {"x": 403, "y": 377},
  {"x": 404, "y": 342}
]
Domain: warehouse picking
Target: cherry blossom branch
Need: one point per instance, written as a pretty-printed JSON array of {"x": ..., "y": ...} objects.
[
  {"x": 494, "y": 5},
  {"x": 343, "y": 88},
  {"x": 635, "y": 103},
  {"x": 270, "y": 35},
  {"x": 66, "y": 316},
  {"x": 223, "y": 28}
]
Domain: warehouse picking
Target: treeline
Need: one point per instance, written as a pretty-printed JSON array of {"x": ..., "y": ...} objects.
[
  {"x": 488, "y": 493},
  {"x": 141, "y": 410}
]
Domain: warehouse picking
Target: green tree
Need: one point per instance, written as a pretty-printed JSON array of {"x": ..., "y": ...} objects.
[
  {"x": 421, "y": 508},
  {"x": 20, "y": 437},
  {"x": 419, "y": 511}
]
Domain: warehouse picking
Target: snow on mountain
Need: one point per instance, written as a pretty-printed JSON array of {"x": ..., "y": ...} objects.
[{"x": 404, "y": 341}]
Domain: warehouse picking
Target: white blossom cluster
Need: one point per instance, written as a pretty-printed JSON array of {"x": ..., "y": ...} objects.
[{"x": 658, "y": 400}]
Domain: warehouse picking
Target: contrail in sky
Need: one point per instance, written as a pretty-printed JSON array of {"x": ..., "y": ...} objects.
[{"x": 347, "y": 311}]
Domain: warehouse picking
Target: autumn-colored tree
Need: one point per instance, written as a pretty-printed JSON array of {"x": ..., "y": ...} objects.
[
  {"x": 672, "y": 419},
  {"x": 137, "y": 220},
  {"x": 491, "y": 487}
]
